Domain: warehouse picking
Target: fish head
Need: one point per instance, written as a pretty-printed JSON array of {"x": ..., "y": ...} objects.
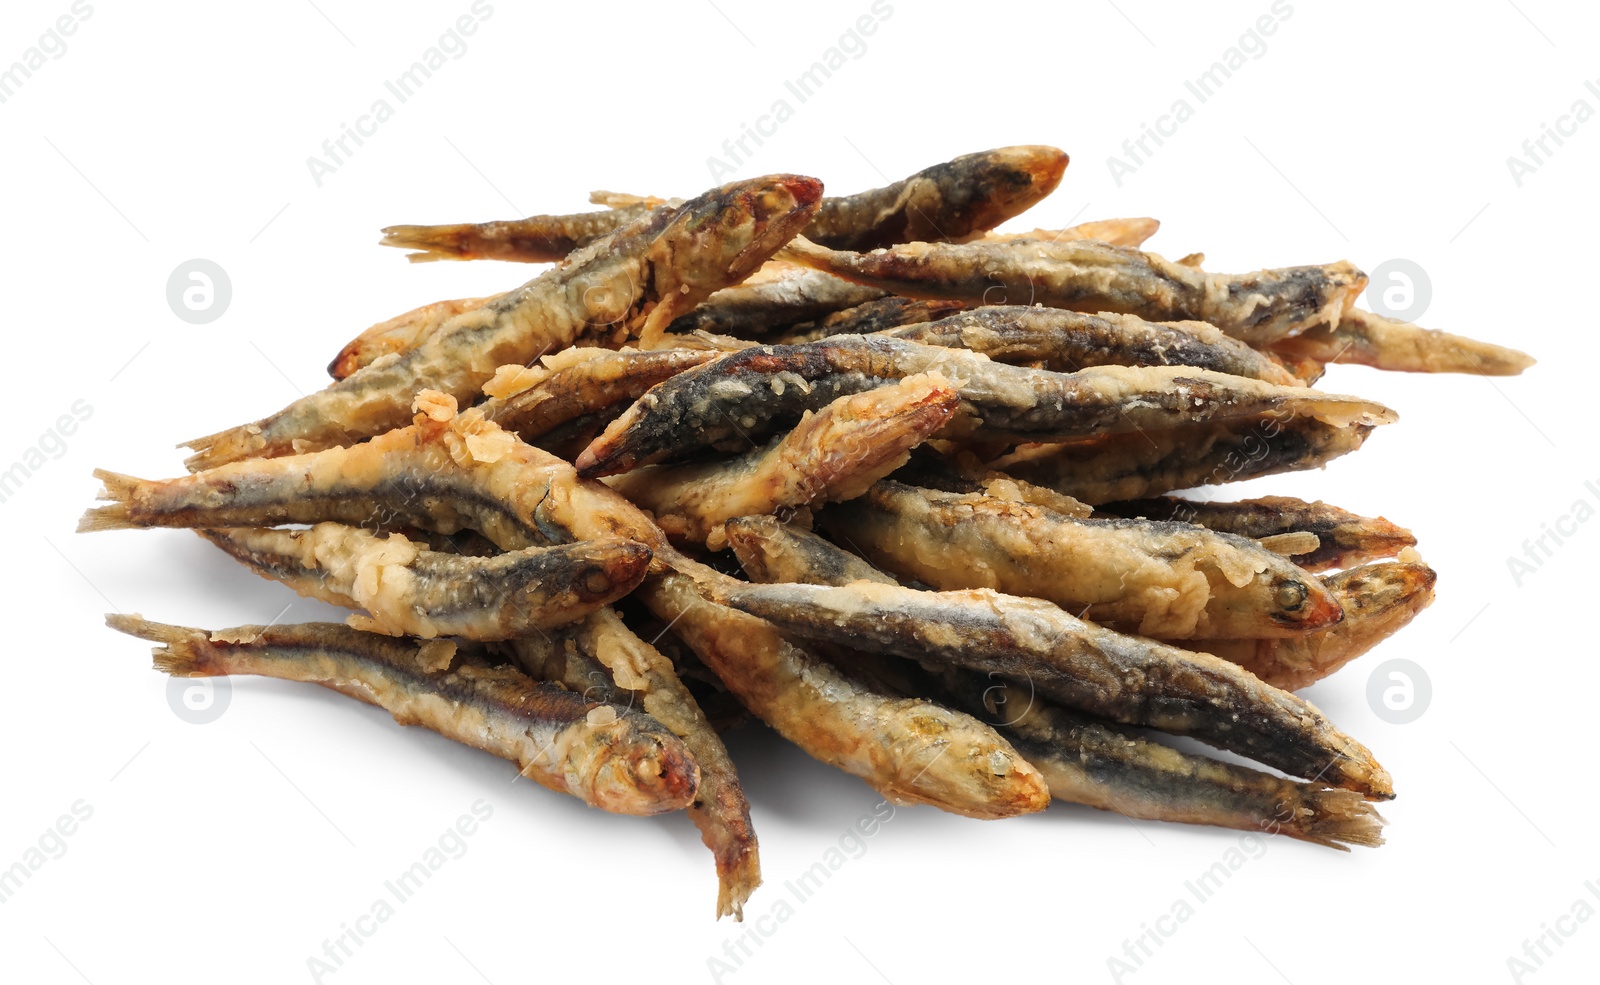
[
  {"x": 633, "y": 768},
  {"x": 607, "y": 568},
  {"x": 1007, "y": 181},
  {"x": 951, "y": 761},
  {"x": 1300, "y": 601},
  {"x": 725, "y": 235},
  {"x": 1385, "y": 586}
]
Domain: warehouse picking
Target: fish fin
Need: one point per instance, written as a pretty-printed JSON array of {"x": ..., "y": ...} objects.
[
  {"x": 432, "y": 242},
  {"x": 1341, "y": 818},
  {"x": 180, "y": 654},
  {"x": 119, "y": 489},
  {"x": 243, "y": 441}
]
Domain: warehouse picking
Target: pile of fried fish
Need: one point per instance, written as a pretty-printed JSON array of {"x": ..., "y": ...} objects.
[{"x": 892, "y": 483}]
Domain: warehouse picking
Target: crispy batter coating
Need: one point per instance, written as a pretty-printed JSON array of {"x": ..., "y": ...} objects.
[
  {"x": 1367, "y": 339},
  {"x": 1342, "y": 538},
  {"x": 833, "y": 454},
  {"x": 607, "y": 756},
  {"x": 1150, "y": 463},
  {"x": 1156, "y": 578},
  {"x": 633, "y": 281},
  {"x": 735, "y": 397},
  {"x": 1085, "y": 760},
  {"x": 1378, "y": 600},
  {"x": 1124, "y": 678},
  {"x": 407, "y": 590},
  {"x": 1083, "y": 275}
]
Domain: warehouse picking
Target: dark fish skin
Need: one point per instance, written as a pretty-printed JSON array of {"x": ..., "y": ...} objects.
[
  {"x": 1067, "y": 341},
  {"x": 1345, "y": 538},
  {"x": 751, "y": 392},
  {"x": 752, "y": 311},
  {"x": 1127, "y": 679},
  {"x": 1085, "y": 760},
  {"x": 870, "y": 318},
  {"x": 1151, "y": 463},
  {"x": 586, "y": 388},
  {"x": 619, "y": 760},
  {"x": 1111, "y": 767},
  {"x": 429, "y": 593},
  {"x": 1081, "y": 275},
  {"x": 969, "y": 194}
]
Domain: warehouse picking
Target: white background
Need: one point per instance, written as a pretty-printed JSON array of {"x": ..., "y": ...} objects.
[{"x": 231, "y": 851}]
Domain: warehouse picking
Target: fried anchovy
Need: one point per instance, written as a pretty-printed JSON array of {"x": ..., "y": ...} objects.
[
  {"x": 446, "y": 473},
  {"x": 834, "y": 454},
  {"x": 950, "y": 201},
  {"x": 873, "y": 316},
  {"x": 1085, "y": 760},
  {"x": 536, "y": 239},
  {"x": 1150, "y": 463},
  {"x": 407, "y": 590},
  {"x": 969, "y": 194},
  {"x": 1367, "y": 339},
  {"x": 1067, "y": 341},
  {"x": 633, "y": 281},
  {"x": 965, "y": 473},
  {"x": 1378, "y": 600},
  {"x": 1089, "y": 761},
  {"x": 733, "y": 397},
  {"x": 1124, "y": 678},
  {"x": 579, "y": 383},
  {"x": 770, "y": 550},
  {"x": 756, "y": 308},
  {"x": 909, "y": 750},
  {"x": 1115, "y": 232},
  {"x": 1165, "y": 579},
  {"x": 1083, "y": 275},
  {"x": 568, "y": 656},
  {"x": 1343, "y": 538},
  {"x": 399, "y": 334},
  {"x": 608, "y": 757}
]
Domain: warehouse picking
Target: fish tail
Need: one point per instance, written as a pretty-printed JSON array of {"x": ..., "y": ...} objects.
[
  {"x": 433, "y": 242},
  {"x": 119, "y": 489},
  {"x": 223, "y": 447},
  {"x": 183, "y": 652},
  {"x": 1340, "y": 818}
]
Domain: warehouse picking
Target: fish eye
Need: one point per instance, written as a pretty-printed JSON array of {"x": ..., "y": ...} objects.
[{"x": 1292, "y": 596}]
